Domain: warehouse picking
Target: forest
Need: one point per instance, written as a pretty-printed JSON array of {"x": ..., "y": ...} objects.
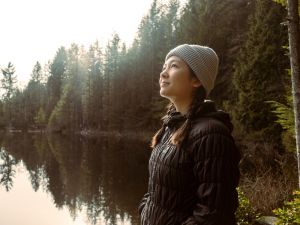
[{"x": 114, "y": 88}]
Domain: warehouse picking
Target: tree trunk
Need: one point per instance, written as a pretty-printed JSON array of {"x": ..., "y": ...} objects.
[{"x": 294, "y": 47}]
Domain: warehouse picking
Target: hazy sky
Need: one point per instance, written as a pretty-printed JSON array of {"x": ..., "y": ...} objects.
[{"x": 33, "y": 30}]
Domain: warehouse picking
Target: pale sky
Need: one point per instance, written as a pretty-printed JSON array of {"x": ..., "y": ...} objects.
[{"x": 33, "y": 30}]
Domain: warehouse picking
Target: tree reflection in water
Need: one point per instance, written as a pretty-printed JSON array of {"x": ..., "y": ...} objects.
[
  {"x": 7, "y": 171},
  {"x": 107, "y": 176}
]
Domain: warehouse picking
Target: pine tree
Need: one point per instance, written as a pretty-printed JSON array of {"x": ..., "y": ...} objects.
[
  {"x": 34, "y": 95},
  {"x": 8, "y": 81},
  {"x": 56, "y": 79},
  {"x": 219, "y": 24},
  {"x": 111, "y": 66},
  {"x": 93, "y": 89},
  {"x": 2, "y": 118},
  {"x": 37, "y": 75},
  {"x": 8, "y": 84},
  {"x": 19, "y": 112},
  {"x": 259, "y": 71},
  {"x": 156, "y": 37},
  {"x": 40, "y": 119},
  {"x": 67, "y": 114}
]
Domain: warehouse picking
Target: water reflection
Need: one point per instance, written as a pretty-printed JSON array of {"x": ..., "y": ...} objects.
[{"x": 106, "y": 177}]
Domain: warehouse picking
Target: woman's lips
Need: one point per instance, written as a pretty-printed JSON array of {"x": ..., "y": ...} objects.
[{"x": 164, "y": 84}]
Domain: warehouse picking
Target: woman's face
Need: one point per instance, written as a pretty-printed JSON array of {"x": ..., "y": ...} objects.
[{"x": 176, "y": 81}]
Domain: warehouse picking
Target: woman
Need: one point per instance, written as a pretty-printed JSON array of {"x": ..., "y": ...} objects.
[{"x": 193, "y": 168}]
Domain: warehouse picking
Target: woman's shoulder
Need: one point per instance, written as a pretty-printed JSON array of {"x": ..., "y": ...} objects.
[
  {"x": 208, "y": 119},
  {"x": 216, "y": 123},
  {"x": 213, "y": 135}
]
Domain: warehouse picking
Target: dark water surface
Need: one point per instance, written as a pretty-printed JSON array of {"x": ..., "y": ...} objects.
[{"x": 59, "y": 180}]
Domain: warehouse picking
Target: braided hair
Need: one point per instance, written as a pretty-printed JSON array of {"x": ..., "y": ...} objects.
[{"x": 182, "y": 132}]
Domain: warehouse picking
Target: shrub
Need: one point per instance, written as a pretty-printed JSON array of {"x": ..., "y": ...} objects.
[
  {"x": 245, "y": 214},
  {"x": 290, "y": 212}
]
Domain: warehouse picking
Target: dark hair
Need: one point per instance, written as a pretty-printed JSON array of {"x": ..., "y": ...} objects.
[{"x": 182, "y": 132}]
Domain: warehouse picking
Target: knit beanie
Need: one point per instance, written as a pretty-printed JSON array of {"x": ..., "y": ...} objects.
[{"x": 202, "y": 60}]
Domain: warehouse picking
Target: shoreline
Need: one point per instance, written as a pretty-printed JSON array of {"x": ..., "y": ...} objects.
[
  {"x": 136, "y": 134},
  {"x": 88, "y": 133}
]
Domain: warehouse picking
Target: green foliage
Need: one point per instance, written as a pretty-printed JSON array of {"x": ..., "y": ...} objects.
[
  {"x": 8, "y": 81},
  {"x": 285, "y": 117},
  {"x": 117, "y": 87},
  {"x": 290, "y": 212},
  {"x": 19, "y": 119},
  {"x": 282, "y": 2},
  {"x": 37, "y": 75},
  {"x": 245, "y": 214},
  {"x": 67, "y": 114},
  {"x": 220, "y": 24},
  {"x": 34, "y": 96},
  {"x": 62, "y": 116},
  {"x": 56, "y": 79},
  {"x": 2, "y": 119},
  {"x": 7, "y": 172},
  {"x": 40, "y": 119},
  {"x": 93, "y": 88},
  {"x": 259, "y": 71}
]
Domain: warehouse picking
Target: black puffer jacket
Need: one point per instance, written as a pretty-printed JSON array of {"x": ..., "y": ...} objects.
[{"x": 197, "y": 183}]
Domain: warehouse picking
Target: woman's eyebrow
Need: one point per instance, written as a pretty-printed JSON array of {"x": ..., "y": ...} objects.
[{"x": 173, "y": 60}]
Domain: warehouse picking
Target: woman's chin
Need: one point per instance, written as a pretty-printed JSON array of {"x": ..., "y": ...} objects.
[{"x": 163, "y": 93}]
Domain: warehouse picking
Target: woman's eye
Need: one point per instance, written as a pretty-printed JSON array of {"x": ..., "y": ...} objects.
[{"x": 174, "y": 65}]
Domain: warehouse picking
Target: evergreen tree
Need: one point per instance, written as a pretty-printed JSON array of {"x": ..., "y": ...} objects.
[
  {"x": 56, "y": 79},
  {"x": 40, "y": 119},
  {"x": 130, "y": 85},
  {"x": 8, "y": 82},
  {"x": 2, "y": 118},
  {"x": 219, "y": 24},
  {"x": 93, "y": 89},
  {"x": 111, "y": 66},
  {"x": 155, "y": 37},
  {"x": 19, "y": 112},
  {"x": 67, "y": 114},
  {"x": 34, "y": 95},
  {"x": 167, "y": 24},
  {"x": 171, "y": 24},
  {"x": 36, "y": 75},
  {"x": 259, "y": 71}
]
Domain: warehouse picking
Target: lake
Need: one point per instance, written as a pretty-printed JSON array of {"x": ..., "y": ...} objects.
[{"x": 63, "y": 180}]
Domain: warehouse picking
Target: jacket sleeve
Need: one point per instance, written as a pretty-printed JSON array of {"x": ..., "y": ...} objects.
[
  {"x": 216, "y": 171},
  {"x": 142, "y": 203}
]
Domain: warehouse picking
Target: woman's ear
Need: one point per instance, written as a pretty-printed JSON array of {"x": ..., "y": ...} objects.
[{"x": 196, "y": 83}]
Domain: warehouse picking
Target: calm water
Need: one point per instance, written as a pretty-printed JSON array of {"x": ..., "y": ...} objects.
[{"x": 71, "y": 181}]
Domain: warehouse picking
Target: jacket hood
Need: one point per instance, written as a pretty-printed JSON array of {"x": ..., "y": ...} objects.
[{"x": 206, "y": 109}]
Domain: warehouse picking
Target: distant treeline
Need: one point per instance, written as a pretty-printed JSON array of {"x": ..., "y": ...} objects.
[{"x": 116, "y": 88}]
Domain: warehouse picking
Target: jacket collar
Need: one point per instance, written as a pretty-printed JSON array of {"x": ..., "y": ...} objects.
[
  {"x": 205, "y": 109},
  {"x": 173, "y": 119}
]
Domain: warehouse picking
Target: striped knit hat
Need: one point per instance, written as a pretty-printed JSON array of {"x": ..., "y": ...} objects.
[{"x": 202, "y": 60}]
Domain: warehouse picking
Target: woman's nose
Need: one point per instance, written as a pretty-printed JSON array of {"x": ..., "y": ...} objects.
[{"x": 163, "y": 73}]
